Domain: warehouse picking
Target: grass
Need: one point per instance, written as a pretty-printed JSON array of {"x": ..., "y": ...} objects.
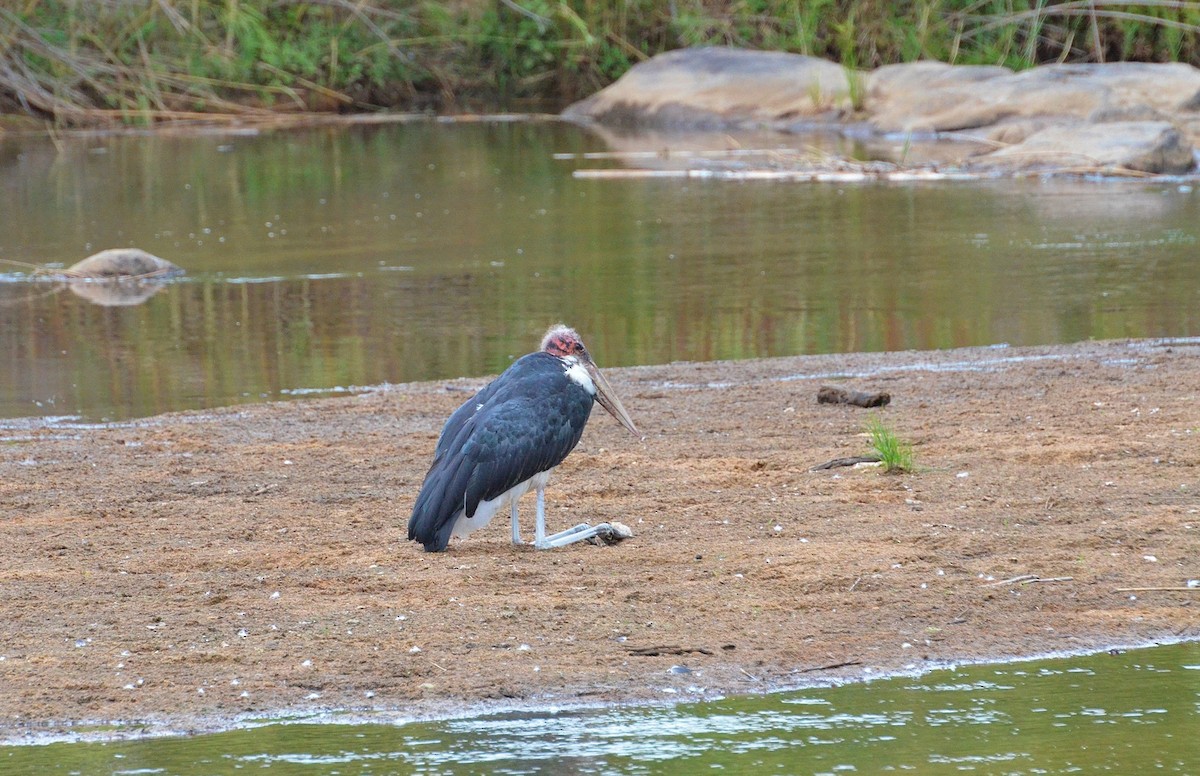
[
  {"x": 77, "y": 62},
  {"x": 895, "y": 455}
]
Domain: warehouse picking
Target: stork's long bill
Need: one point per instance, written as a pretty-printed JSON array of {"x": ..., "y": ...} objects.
[
  {"x": 565, "y": 343},
  {"x": 608, "y": 398}
]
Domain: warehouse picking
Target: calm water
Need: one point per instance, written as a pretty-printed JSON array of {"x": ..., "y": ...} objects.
[
  {"x": 325, "y": 259},
  {"x": 1137, "y": 712}
]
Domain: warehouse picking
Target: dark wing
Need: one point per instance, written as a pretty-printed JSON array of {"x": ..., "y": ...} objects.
[
  {"x": 455, "y": 422},
  {"x": 530, "y": 421}
]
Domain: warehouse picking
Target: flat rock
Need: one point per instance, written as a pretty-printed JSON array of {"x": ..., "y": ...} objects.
[
  {"x": 936, "y": 97},
  {"x": 1142, "y": 146}
]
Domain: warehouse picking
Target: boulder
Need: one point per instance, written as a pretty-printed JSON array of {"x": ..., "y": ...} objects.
[
  {"x": 718, "y": 87},
  {"x": 1120, "y": 116}
]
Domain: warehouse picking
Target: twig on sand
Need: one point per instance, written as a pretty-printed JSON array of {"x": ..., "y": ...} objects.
[
  {"x": 1157, "y": 590},
  {"x": 829, "y": 667},
  {"x": 1027, "y": 579},
  {"x": 851, "y": 461}
]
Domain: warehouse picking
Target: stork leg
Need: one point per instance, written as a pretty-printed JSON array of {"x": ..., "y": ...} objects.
[
  {"x": 516, "y": 527},
  {"x": 571, "y": 535}
]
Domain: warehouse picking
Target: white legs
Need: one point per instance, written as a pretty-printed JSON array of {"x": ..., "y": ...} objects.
[
  {"x": 539, "y": 527},
  {"x": 577, "y": 533},
  {"x": 610, "y": 533},
  {"x": 574, "y": 534}
]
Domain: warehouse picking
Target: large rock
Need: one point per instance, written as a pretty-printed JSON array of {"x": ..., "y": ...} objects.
[
  {"x": 1123, "y": 116},
  {"x": 721, "y": 87}
]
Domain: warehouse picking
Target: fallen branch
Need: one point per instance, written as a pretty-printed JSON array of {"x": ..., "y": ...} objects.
[
  {"x": 1157, "y": 590},
  {"x": 829, "y": 667},
  {"x": 851, "y": 461},
  {"x": 1027, "y": 579}
]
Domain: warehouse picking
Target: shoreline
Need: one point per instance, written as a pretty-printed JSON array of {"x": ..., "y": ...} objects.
[
  {"x": 93, "y": 732},
  {"x": 199, "y": 570}
]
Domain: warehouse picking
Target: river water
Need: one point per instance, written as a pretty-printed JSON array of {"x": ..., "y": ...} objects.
[
  {"x": 1129, "y": 713},
  {"x": 325, "y": 259}
]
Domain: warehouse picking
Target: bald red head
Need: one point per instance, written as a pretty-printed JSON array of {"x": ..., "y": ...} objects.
[{"x": 563, "y": 341}]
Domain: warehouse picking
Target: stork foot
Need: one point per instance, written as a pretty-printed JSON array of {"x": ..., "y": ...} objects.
[
  {"x": 617, "y": 532},
  {"x": 609, "y": 533}
]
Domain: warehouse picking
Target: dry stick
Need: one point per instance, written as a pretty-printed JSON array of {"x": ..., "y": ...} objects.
[
  {"x": 853, "y": 460},
  {"x": 1157, "y": 589},
  {"x": 829, "y": 667},
  {"x": 1027, "y": 579}
]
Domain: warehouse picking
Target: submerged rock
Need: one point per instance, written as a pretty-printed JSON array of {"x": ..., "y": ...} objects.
[
  {"x": 123, "y": 263},
  {"x": 119, "y": 277}
]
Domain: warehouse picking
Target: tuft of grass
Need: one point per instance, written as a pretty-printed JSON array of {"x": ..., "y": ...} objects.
[{"x": 895, "y": 454}]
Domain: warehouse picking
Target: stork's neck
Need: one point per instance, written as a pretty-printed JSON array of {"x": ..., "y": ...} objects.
[{"x": 578, "y": 374}]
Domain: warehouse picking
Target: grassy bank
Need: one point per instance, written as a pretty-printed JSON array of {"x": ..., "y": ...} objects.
[{"x": 94, "y": 61}]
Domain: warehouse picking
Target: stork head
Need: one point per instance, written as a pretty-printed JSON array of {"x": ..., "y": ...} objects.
[{"x": 565, "y": 343}]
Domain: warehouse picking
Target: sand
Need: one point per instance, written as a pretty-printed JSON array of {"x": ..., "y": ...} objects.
[{"x": 183, "y": 572}]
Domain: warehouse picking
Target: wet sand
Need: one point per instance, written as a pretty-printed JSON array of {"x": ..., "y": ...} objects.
[{"x": 182, "y": 571}]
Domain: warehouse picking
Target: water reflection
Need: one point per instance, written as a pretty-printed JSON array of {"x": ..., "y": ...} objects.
[
  {"x": 336, "y": 257},
  {"x": 115, "y": 293}
]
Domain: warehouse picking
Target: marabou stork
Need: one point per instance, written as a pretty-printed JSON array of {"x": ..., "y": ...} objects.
[{"x": 507, "y": 439}]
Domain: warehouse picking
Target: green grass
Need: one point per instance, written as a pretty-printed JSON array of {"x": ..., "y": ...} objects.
[
  {"x": 895, "y": 455},
  {"x": 87, "y": 62}
]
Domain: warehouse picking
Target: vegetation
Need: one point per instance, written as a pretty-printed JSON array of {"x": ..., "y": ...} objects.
[
  {"x": 83, "y": 61},
  {"x": 895, "y": 455}
]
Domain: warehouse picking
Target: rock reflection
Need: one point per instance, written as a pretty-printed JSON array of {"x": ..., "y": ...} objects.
[{"x": 115, "y": 292}]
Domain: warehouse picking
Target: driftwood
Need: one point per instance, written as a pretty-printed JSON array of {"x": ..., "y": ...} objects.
[
  {"x": 828, "y": 394},
  {"x": 851, "y": 461}
]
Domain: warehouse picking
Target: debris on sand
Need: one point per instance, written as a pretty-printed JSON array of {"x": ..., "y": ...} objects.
[{"x": 828, "y": 394}]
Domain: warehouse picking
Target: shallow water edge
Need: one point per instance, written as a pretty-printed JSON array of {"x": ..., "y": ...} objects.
[{"x": 94, "y": 731}]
